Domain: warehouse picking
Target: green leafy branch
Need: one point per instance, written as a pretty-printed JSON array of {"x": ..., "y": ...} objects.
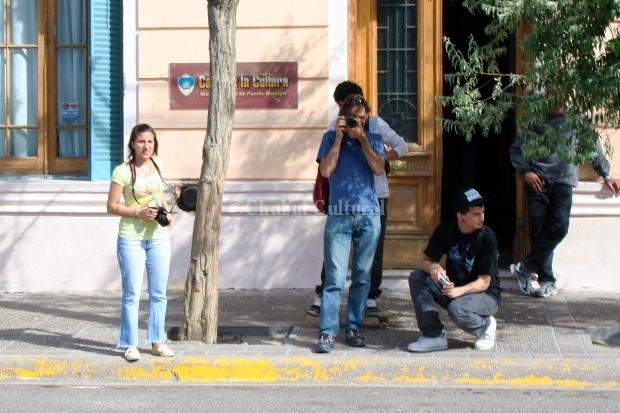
[{"x": 573, "y": 58}]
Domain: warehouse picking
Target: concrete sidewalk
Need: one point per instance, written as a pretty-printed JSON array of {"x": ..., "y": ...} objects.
[{"x": 571, "y": 340}]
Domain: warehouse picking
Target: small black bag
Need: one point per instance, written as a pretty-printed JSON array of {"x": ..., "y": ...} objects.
[{"x": 188, "y": 197}]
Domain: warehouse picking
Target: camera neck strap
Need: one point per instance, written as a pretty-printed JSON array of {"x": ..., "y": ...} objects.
[{"x": 132, "y": 168}]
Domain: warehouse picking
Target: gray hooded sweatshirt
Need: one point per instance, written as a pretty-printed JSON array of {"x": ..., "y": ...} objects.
[{"x": 552, "y": 168}]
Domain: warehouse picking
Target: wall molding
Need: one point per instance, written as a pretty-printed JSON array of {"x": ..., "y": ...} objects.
[
  {"x": 89, "y": 198},
  {"x": 590, "y": 199}
]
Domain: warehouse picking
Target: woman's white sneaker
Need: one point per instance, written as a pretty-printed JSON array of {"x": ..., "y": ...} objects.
[
  {"x": 132, "y": 354},
  {"x": 161, "y": 350}
]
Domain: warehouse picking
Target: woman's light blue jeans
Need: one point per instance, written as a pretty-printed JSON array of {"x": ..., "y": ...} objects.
[
  {"x": 133, "y": 255},
  {"x": 340, "y": 232}
]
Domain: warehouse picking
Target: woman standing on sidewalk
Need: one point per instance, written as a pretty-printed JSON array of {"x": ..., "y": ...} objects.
[{"x": 142, "y": 241}]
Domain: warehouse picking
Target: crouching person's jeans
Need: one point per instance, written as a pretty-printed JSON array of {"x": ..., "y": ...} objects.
[
  {"x": 469, "y": 312},
  {"x": 340, "y": 232}
]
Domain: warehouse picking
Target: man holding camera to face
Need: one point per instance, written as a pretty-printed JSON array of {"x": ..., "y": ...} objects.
[
  {"x": 396, "y": 146},
  {"x": 350, "y": 157}
]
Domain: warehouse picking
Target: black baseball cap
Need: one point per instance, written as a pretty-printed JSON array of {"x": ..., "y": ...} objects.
[{"x": 467, "y": 198}]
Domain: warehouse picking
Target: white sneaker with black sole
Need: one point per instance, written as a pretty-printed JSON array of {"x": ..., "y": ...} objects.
[
  {"x": 426, "y": 344},
  {"x": 487, "y": 340}
]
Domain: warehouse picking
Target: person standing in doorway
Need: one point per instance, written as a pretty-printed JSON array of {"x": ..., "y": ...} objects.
[
  {"x": 549, "y": 183},
  {"x": 395, "y": 148},
  {"x": 142, "y": 241}
]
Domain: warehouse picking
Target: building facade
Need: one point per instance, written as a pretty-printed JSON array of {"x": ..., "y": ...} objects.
[{"x": 77, "y": 75}]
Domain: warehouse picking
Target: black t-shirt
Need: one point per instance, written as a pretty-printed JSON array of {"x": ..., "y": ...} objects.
[{"x": 467, "y": 255}]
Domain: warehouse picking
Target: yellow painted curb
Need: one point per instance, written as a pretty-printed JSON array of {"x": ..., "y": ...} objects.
[{"x": 599, "y": 374}]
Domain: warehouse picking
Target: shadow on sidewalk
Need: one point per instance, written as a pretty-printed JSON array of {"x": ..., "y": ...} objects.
[
  {"x": 89, "y": 322},
  {"x": 52, "y": 339},
  {"x": 95, "y": 308}
]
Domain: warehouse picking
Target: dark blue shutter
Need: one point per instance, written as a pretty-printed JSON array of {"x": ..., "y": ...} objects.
[{"x": 106, "y": 87}]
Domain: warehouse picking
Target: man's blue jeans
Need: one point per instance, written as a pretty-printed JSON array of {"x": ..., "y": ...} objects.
[
  {"x": 469, "y": 312},
  {"x": 376, "y": 270},
  {"x": 340, "y": 232},
  {"x": 548, "y": 220},
  {"x": 133, "y": 255}
]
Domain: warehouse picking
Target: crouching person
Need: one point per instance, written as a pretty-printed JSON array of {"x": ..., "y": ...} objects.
[{"x": 468, "y": 288}]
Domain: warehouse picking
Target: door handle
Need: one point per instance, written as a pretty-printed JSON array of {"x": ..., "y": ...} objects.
[{"x": 397, "y": 165}]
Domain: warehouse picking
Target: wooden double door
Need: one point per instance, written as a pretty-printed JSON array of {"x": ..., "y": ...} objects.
[{"x": 396, "y": 54}]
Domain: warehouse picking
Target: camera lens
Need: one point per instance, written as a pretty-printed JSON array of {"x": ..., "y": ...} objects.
[{"x": 351, "y": 121}]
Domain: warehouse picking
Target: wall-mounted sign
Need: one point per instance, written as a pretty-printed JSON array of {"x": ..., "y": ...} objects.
[{"x": 261, "y": 85}]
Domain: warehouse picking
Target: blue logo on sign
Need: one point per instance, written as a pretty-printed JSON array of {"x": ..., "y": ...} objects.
[{"x": 186, "y": 84}]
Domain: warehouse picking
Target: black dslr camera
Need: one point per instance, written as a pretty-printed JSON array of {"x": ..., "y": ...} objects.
[
  {"x": 351, "y": 121},
  {"x": 162, "y": 217}
]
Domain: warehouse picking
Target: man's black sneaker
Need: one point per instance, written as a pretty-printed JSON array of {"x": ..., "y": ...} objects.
[
  {"x": 315, "y": 309},
  {"x": 372, "y": 307},
  {"x": 523, "y": 278},
  {"x": 547, "y": 289},
  {"x": 354, "y": 339},
  {"x": 326, "y": 343}
]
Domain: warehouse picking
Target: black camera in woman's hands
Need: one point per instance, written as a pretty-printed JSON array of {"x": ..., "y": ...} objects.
[
  {"x": 162, "y": 217},
  {"x": 351, "y": 121}
]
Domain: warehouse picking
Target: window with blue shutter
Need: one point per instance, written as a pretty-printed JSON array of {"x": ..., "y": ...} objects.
[
  {"x": 106, "y": 91},
  {"x": 61, "y": 88}
]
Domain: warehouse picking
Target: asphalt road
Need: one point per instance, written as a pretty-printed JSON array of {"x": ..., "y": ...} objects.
[{"x": 298, "y": 398}]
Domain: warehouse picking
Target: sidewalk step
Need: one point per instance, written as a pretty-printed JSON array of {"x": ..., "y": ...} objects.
[
  {"x": 399, "y": 279},
  {"x": 404, "y": 273}
]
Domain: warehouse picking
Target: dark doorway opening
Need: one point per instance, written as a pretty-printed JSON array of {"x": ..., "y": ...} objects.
[{"x": 484, "y": 162}]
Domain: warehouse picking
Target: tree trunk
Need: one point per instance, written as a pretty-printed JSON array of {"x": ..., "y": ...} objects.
[{"x": 202, "y": 284}]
